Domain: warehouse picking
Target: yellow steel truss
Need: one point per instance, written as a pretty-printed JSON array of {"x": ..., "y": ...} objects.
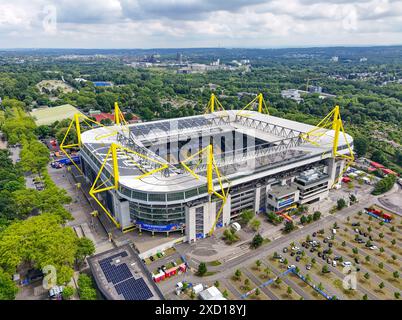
[
  {"x": 118, "y": 115},
  {"x": 262, "y": 105},
  {"x": 118, "y": 120},
  {"x": 211, "y": 169},
  {"x": 331, "y": 121},
  {"x": 76, "y": 122},
  {"x": 113, "y": 155},
  {"x": 214, "y": 105}
]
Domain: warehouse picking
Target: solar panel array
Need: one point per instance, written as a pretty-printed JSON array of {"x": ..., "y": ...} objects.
[
  {"x": 122, "y": 279},
  {"x": 134, "y": 289},
  {"x": 144, "y": 129}
]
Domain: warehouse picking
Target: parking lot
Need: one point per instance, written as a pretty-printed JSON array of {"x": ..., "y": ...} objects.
[{"x": 355, "y": 258}]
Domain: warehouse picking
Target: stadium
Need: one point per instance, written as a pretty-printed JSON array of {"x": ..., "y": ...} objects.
[{"x": 196, "y": 174}]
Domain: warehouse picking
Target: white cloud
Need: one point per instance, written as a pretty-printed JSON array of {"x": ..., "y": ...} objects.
[{"x": 185, "y": 23}]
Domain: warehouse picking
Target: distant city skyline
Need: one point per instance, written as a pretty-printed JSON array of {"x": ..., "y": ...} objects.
[{"x": 126, "y": 24}]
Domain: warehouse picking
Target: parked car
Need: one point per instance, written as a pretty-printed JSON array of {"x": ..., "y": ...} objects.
[
  {"x": 373, "y": 248},
  {"x": 346, "y": 263},
  {"x": 292, "y": 254},
  {"x": 337, "y": 258},
  {"x": 308, "y": 266},
  {"x": 281, "y": 260},
  {"x": 292, "y": 266},
  {"x": 285, "y": 250},
  {"x": 298, "y": 258},
  {"x": 334, "y": 263},
  {"x": 314, "y": 234},
  {"x": 152, "y": 258},
  {"x": 295, "y": 248}
]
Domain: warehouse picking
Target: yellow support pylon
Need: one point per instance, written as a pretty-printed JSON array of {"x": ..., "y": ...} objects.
[
  {"x": 76, "y": 122},
  {"x": 262, "y": 105},
  {"x": 331, "y": 121},
  {"x": 119, "y": 120},
  {"x": 214, "y": 105},
  {"x": 112, "y": 153},
  {"x": 211, "y": 168},
  {"x": 118, "y": 115}
]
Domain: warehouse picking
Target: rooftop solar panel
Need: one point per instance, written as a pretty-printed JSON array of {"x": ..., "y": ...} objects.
[
  {"x": 122, "y": 279},
  {"x": 134, "y": 289}
]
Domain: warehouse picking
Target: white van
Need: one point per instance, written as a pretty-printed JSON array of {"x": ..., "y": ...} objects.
[{"x": 346, "y": 263}]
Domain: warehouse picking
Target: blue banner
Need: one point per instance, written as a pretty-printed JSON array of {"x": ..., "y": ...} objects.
[
  {"x": 285, "y": 202},
  {"x": 159, "y": 228}
]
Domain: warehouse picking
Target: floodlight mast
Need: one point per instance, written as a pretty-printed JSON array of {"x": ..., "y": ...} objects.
[
  {"x": 114, "y": 185},
  {"x": 262, "y": 105},
  {"x": 76, "y": 121},
  {"x": 332, "y": 121}
]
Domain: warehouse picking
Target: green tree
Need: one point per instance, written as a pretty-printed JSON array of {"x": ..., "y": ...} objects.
[
  {"x": 40, "y": 241},
  {"x": 278, "y": 281},
  {"x": 255, "y": 224},
  {"x": 316, "y": 215},
  {"x": 360, "y": 145},
  {"x": 85, "y": 248},
  {"x": 379, "y": 156},
  {"x": 67, "y": 293},
  {"x": 86, "y": 287},
  {"x": 384, "y": 185},
  {"x": 289, "y": 226},
  {"x": 340, "y": 204},
  {"x": 8, "y": 289},
  {"x": 257, "y": 241},
  {"x": 246, "y": 216},
  {"x": 202, "y": 269}
]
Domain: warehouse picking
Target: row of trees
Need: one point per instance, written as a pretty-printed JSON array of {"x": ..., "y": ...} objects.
[
  {"x": 32, "y": 222},
  {"x": 384, "y": 185}
]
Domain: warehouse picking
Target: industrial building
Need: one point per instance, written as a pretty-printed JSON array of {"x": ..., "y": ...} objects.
[{"x": 195, "y": 174}]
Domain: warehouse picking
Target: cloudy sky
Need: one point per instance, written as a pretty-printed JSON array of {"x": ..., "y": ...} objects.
[{"x": 198, "y": 23}]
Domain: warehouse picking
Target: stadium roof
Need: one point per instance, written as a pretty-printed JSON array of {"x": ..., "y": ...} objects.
[{"x": 283, "y": 147}]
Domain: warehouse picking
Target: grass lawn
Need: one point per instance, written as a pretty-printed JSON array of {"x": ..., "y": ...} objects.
[
  {"x": 50, "y": 115},
  {"x": 214, "y": 263}
]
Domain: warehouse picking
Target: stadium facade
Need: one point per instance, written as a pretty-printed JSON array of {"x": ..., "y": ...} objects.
[{"x": 262, "y": 162}]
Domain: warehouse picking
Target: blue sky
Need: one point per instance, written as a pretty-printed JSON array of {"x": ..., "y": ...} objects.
[{"x": 198, "y": 23}]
